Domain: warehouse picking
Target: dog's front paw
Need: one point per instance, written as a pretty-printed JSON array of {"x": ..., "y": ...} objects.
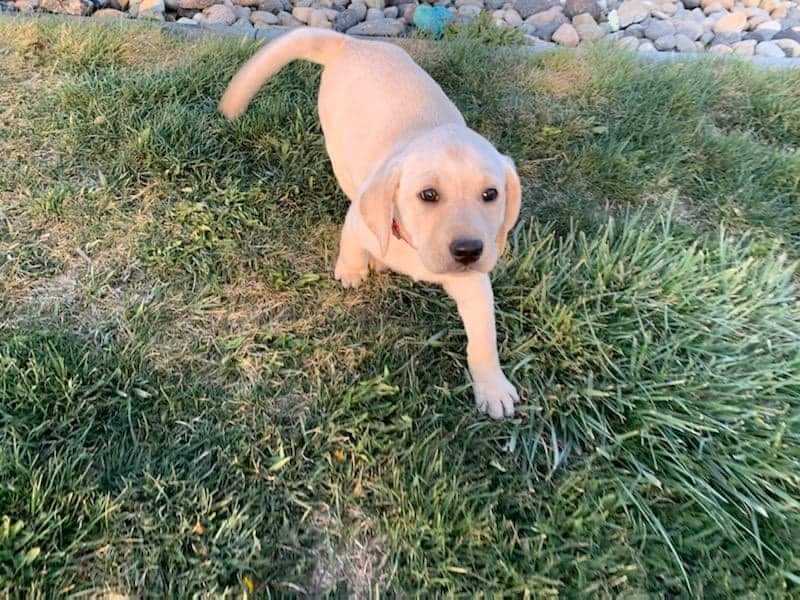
[
  {"x": 349, "y": 278},
  {"x": 496, "y": 397}
]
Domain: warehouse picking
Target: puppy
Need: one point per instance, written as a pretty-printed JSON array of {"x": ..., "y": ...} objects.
[{"x": 429, "y": 197}]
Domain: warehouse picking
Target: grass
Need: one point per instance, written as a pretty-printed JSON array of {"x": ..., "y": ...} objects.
[{"x": 189, "y": 404}]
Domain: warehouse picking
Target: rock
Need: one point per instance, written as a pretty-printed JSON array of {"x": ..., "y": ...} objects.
[
  {"x": 790, "y": 47},
  {"x": 753, "y": 22},
  {"x": 545, "y": 23},
  {"x": 242, "y": 12},
  {"x": 706, "y": 38},
  {"x": 360, "y": 8},
  {"x": 76, "y": 8},
  {"x": 379, "y": 4},
  {"x": 657, "y": 28},
  {"x": 566, "y": 36},
  {"x": 263, "y": 18},
  {"x": 573, "y": 8},
  {"x": 684, "y": 44},
  {"x": 723, "y": 5},
  {"x": 770, "y": 49},
  {"x": 187, "y": 21},
  {"x": 512, "y": 17},
  {"x": 152, "y": 9},
  {"x": 769, "y": 5},
  {"x": 780, "y": 13},
  {"x": 646, "y": 46},
  {"x": 243, "y": 24},
  {"x": 690, "y": 29},
  {"x": 219, "y": 14},
  {"x": 287, "y": 20},
  {"x": 374, "y": 14},
  {"x": 392, "y": 12},
  {"x": 628, "y": 43},
  {"x": 729, "y": 39},
  {"x": 732, "y": 23},
  {"x": 744, "y": 48},
  {"x": 636, "y": 30},
  {"x": 690, "y": 4},
  {"x": 632, "y": 11},
  {"x": 537, "y": 43},
  {"x": 319, "y": 19},
  {"x": 720, "y": 49},
  {"x": 526, "y": 8},
  {"x": 587, "y": 28},
  {"x": 408, "y": 11},
  {"x": 383, "y": 27},
  {"x": 788, "y": 34},
  {"x": 109, "y": 13},
  {"x": 346, "y": 19},
  {"x": 303, "y": 13},
  {"x": 768, "y": 30},
  {"x": 273, "y": 6},
  {"x": 613, "y": 20},
  {"x": 195, "y": 4},
  {"x": 666, "y": 42}
]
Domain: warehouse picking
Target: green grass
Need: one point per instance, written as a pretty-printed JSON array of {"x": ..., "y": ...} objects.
[{"x": 190, "y": 405}]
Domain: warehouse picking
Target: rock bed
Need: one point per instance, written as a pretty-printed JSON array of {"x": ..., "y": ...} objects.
[{"x": 768, "y": 28}]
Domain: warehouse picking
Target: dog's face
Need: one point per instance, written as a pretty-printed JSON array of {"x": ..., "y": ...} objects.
[{"x": 454, "y": 196}]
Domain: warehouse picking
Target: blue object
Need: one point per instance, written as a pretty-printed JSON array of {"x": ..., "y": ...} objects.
[{"x": 432, "y": 19}]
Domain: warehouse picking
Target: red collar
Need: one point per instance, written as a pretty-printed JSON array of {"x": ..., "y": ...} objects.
[{"x": 400, "y": 233}]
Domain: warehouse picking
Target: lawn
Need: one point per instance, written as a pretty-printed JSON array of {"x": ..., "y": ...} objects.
[{"x": 191, "y": 406}]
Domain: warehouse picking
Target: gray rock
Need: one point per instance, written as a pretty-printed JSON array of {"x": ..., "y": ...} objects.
[
  {"x": 408, "y": 12},
  {"x": 374, "y": 14},
  {"x": 728, "y": 39},
  {"x": 391, "y": 12},
  {"x": 646, "y": 46},
  {"x": 573, "y": 8},
  {"x": 657, "y": 28},
  {"x": 526, "y": 8},
  {"x": 788, "y": 34},
  {"x": 512, "y": 17},
  {"x": 273, "y": 6},
  {"x": 242, "y": 12},
  {"x": 690, "y": 29},
  {"x": 112, "y": 13},
  {"x": 187, "y": 21},
  {"x": 770, "y": 49},
  {"x": 789, "y": 47},
  {"x": 347, "y": 19},
  {"x": 287, "y": 20},
  {"x": 379, "y": 4},
  {"x": 690, "y": 4},
  {"x": 768, "y": 29},
  {"x": 636, "y": 30},
  {"x": 243, "y": 24},
  {"x": 706, "y": 38},
  {"x": 263, "y": 18},
  {"x": 383, "y": 27},
  {"x": 666, "y": 42},
  {"x": 545, "y": 23},
  {"x": 684, "y": 44}
]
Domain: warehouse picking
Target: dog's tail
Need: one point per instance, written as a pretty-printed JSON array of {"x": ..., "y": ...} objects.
[{"x": 305, "y": 43}]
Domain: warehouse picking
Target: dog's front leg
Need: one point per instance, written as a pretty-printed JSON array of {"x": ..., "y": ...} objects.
[
  {"x": 494, "y": 394},
  {"x": 352, "y": 265}
]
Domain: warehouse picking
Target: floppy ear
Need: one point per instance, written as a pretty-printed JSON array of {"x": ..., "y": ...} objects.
[
  {"x": 376, "y": 201},
  {"x": 513, "y": 202}
]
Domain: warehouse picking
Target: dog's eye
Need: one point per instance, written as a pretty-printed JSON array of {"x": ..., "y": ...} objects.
[
  {"x": 489, "y": 195},
  {"x": 429, "y": 195}
]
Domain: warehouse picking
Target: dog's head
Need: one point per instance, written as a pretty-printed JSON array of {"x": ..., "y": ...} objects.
[{"x": 453, "y": 193}]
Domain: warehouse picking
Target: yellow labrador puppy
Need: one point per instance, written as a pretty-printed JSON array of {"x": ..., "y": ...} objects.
[{"x": 429, "y": 197}]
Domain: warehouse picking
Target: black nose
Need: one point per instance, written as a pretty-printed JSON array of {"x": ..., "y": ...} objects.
[{"x": 466, "y": 251}]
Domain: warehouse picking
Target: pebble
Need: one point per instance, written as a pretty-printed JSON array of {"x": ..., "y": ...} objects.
[{"x": 769, "y": 28}]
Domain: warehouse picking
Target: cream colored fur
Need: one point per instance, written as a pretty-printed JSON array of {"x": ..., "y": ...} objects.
[{"x": 391, "y": 132}]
